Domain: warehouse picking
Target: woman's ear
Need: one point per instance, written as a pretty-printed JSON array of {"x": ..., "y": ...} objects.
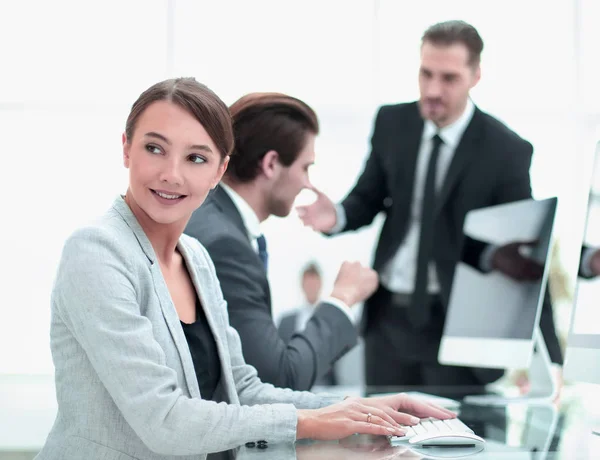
[
  {"x": 126, "y": 149},
  {"x": 221, "y": 171}
]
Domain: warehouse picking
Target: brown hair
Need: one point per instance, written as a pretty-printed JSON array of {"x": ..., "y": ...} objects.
[
  {"x": 450, "y": 32},
  {"x": 311, "y": 269},
  {"x": 195, "y": 98},
  {"x": 264, "y": 122}
]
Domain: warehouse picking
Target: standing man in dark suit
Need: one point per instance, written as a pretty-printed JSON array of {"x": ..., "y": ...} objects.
[
  {"x": 431, "y": 162},
  {"x": 274, "y": 148},
  {"x": 297, "y": 319}
]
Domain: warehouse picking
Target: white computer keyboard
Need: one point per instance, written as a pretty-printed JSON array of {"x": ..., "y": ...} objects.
[{"x": 432, "y": 432}]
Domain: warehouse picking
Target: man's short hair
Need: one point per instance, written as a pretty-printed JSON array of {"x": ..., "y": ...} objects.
[
  {"x": 264, "y": 122},
  {"x": 450, "y": 32}
]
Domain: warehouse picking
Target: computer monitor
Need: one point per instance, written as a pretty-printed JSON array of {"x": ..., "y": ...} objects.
[
  {"x": 494, "y": 308},
  {"x": 582, "y": 357}
]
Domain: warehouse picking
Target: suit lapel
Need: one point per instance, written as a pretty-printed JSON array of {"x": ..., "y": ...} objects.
[
  {"x": 228, "y": 207},
  {"x": 464, "y": 153},
  {"x": 409, "y": 142},
  {"x": 225, "y": 203}
]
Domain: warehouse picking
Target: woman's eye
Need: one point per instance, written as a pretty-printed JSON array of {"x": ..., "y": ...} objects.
[
  {"x": 197, "y": 159},
  {"x": 153, "y": 149}
]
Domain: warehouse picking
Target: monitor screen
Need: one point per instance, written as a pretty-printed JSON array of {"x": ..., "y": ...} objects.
[
  {"x": 585, "y": 319},
  {"x": 499, "y": 285},
  {"x": 583, "y": 345}
]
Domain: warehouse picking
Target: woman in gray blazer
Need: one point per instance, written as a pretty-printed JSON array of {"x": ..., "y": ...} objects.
[{"x": 126, "y": 384}]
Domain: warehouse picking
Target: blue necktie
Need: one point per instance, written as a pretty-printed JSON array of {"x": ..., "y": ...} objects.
[{"x": 262, "y": 250}]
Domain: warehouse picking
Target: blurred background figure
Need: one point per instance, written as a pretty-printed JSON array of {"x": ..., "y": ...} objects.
[{"x": 296, "y": 319}]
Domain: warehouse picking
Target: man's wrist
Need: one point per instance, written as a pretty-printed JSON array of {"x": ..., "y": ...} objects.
[
  {"x": 341, "y": 305},
  {"x": 340, "y": 220},
  {"x": 487, "y": 261},
  {"x": 343, "y": 296}
]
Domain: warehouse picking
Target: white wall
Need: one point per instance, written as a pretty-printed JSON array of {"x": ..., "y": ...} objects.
[{"x": 72, "y": 69}]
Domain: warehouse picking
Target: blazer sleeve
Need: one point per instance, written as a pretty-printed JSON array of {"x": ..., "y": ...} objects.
[
  {"x": 514, "y": 181},
  {"x": 251, "y": 390},
  {"x": 472, "y": 252},
  {"x": 309, "y": 354},
  {"x": 95, "y": 297},
  {"x": 366, "y": 199}
]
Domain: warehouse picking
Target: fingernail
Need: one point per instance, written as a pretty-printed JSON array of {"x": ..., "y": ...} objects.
[
  {"x": 415, "y": 420},
  {"x": 391, "y": 430}
]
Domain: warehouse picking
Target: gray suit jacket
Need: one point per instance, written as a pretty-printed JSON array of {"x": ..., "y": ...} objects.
[
  {"x": 287, "y": 329},
  {"x": 287, "y": 326},
  {"x": 125, "y": 380},
  {"x": 311, "y": 353}
]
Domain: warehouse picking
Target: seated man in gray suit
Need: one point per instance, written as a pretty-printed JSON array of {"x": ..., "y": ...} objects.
[
  {"x": 296, "y": 320},
  {"x": 274, "y": 147}
]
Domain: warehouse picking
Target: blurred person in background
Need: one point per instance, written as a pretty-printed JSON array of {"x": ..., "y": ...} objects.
[{"x": 295, "y": 320}]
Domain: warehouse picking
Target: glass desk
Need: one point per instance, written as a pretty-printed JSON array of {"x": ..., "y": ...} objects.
[
  {"x": 560, "y": 431},
  {"x": 536, "y": 432}
]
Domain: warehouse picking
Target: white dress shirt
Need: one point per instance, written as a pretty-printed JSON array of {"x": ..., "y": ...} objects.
[
  {"x": 399, "y": 275},
  {"x": 252, "y": 225}
]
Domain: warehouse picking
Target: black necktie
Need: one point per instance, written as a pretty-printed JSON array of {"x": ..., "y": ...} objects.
[
  {"x": 420, "y": 310},
  {"x": 262, "y": 250}
]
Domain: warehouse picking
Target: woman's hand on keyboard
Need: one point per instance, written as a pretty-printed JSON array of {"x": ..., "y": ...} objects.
[
  {"x": 406, "y": 410},
  {"x": 345, "y": 419}
]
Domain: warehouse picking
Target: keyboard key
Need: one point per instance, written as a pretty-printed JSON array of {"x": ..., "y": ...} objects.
[{"x": 457, "y": 425}]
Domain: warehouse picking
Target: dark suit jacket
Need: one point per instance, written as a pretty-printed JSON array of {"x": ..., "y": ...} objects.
[
  {"x": 490, "y": 166},
  {"x": 329, "y": 334},
  {"x": 287, "y": 329}
]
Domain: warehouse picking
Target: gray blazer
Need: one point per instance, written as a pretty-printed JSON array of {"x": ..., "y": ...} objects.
[
  {"x": 310, "y": 353},
  {"x": 125, "y": 380}
]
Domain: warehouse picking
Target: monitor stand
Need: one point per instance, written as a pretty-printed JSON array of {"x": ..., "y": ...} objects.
[{"x": 543, "y": 388}]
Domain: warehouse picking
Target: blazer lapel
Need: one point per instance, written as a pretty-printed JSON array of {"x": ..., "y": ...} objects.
[
  {"x": 173, "y": 322},
  {"x": 464, "y": 153},
  {"x": 164, "y": 297},
  {"x": 201, "y": 278}
]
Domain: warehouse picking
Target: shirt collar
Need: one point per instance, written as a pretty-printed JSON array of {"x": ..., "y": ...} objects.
[
  {"x": 452, "y": 133},
  {"x": 249, "y": 217}
]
